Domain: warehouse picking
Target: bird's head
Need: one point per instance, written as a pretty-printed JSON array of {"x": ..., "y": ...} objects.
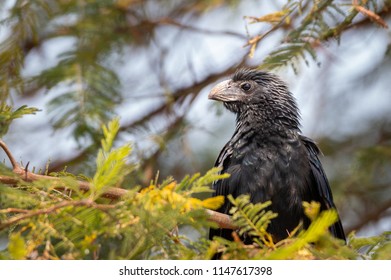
[{"x": 262, "y": 94}]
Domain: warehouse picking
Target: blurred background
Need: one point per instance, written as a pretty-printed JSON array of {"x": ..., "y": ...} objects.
[{"x": 153, "y": 63}]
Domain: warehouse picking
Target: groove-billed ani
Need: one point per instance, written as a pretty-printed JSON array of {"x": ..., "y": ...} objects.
[{"x": 267, "y": 157}]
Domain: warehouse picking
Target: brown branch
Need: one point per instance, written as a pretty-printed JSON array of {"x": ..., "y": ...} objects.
[
  {"x": 111, "y": 193},
  {"x": 177, "y": 96},
  {"x": 13, "y": 161},
  {"x": 371, "y": 217},
  {"x": 335, "y": 31},
  {"x": 181, "y": 93},
  {"x": 222, "y": 220},
  {"x": 173, "y": 22},
  {"x": 25, "y": 175},
  {"x": 373, "y": 16},
  {"x": 14, "y": 210}
]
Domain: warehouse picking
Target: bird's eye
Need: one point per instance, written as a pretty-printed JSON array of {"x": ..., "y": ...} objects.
[{"x": 246, "y": 86}]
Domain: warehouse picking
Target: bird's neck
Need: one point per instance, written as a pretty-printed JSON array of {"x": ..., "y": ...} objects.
[{"x": 260, "y": 124}]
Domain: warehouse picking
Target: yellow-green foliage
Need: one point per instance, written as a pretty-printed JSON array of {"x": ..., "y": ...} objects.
[
  {"x": 38, "y": 221},
  {"x": 7, "y": 115},
  {"x": 111, "y": 165},
  {"x": 314, "y": 243}
]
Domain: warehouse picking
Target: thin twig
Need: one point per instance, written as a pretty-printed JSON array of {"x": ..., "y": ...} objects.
[
  {"x": 29, "y": 214},
  {"x": 369, "y": 14},
  {"x": 170, "y": 21},
  {"x": 13, "y": 161},
  {"x": 13, "y": 210}
]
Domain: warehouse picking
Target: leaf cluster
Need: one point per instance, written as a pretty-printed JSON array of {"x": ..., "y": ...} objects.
[
  {"x": 251, "y": 219},
  {"x": 308, "y": 25},
  {"x": 83, "y": 86},
  {"x": 8, "y": 114},
  {"x": 316, "y": 242},
  {"x": 39, "y": 220}
]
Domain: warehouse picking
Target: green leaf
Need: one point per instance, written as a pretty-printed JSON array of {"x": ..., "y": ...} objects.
[
  {"x": 252, "y": 219},
  {"x": 7, "y": 115},
  {"x": 315, "y": 231},
  {"x": 109, "y": 133},
  {"x": 111, "y": 163}
]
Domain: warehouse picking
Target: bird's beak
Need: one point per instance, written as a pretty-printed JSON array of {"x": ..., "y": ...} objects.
[{"x": 223, "y": 92}]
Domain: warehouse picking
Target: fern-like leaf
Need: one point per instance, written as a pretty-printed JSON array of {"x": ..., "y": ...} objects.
[{"x": 252, "y": 219}]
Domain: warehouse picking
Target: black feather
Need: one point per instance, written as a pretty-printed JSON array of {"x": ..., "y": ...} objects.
[{"x": 266, "y": 156}]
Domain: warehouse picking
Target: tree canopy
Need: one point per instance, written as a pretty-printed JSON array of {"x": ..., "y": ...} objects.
[{"x": 70, "y": 68}]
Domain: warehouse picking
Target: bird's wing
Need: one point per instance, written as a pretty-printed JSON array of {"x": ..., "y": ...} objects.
[
  {"x": 225, "y": 153},
  {"x": 222, "y": 161},
  {"x": 220, "y": 188},
  {"x": 320, "y": 184}
]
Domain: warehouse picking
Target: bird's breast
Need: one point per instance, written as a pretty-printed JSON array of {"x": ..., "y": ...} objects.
[{"x": 265, "y": 171}]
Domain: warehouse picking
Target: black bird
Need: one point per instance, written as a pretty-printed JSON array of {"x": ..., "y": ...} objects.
[{"x": 267, "y": 157}]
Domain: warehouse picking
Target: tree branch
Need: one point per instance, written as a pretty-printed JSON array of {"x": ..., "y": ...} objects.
[
  {"x": 28, "y": 214},
  {"x": 13, "y": 161},
  {"x": 173, "y": 22},
  {"x": 177, "y": 96},
  {"x": 370, "y": 217},
  {"x": 181, "y": 93},
  {"x": 222, "y": 220},
  {"x": 25, "y": 175}
]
